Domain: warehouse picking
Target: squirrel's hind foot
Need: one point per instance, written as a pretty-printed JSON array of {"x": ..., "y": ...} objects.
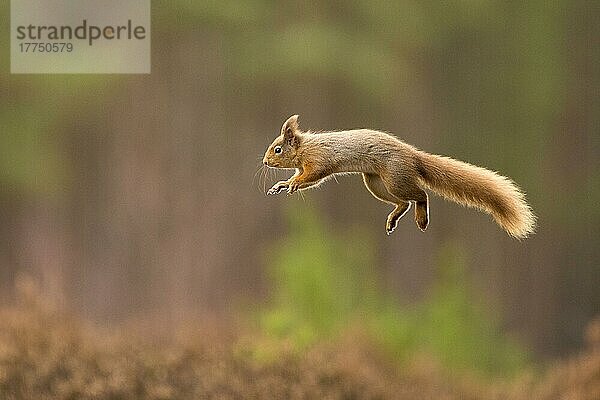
[{"x": 395, "y": 215}]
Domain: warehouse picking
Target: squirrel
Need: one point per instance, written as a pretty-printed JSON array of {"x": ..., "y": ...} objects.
[{"x": 396, "y": 173}]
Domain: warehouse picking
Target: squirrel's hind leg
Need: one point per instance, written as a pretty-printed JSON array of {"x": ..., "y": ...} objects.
[
  {"x": 411, "y": 192},
  {"x": 375, "y": 185}
]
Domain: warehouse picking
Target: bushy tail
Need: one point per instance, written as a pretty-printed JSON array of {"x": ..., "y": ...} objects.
[{"x": 480, "y": 188}]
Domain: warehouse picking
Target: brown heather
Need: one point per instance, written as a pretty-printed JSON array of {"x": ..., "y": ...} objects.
[{"x": 45, "y": 355}]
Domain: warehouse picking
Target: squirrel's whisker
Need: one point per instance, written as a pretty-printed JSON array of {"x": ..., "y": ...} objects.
[
  {"x": 264, "y": 179},
  {"x": 256, "y": 174}
]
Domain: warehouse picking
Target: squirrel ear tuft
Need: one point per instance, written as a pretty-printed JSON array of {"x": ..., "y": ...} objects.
[{"x": 290, "y": 127}]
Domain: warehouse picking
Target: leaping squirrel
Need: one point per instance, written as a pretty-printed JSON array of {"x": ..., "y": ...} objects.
[{"x": 396, "y": 173}]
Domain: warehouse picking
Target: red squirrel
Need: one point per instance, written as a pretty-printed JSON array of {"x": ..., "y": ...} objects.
[{"x": 396, "y": 173}]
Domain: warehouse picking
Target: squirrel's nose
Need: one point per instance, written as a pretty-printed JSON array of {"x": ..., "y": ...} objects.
[{"x": 265, "y": 162}]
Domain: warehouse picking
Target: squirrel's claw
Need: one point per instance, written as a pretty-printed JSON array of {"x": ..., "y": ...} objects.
[{"x": 274, "y": 191}]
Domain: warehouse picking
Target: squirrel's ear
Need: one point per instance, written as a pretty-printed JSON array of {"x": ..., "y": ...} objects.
[{"x": 290, "y": 127}]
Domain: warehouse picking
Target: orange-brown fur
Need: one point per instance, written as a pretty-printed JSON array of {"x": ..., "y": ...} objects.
[{"x": 396, "y": 173}]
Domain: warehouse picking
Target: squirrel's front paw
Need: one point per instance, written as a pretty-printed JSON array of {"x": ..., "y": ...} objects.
[
  {"x": 293, "y": 187},
  {"x": 278, "y": 188}
]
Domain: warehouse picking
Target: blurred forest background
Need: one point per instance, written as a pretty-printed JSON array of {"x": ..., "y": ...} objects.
[{"x": 137, "y": 196}]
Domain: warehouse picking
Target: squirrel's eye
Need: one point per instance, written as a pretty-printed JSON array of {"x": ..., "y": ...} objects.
[{"x": 277, "y": 150}]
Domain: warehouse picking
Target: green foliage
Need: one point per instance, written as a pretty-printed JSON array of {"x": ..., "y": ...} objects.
[
  {"x": 453, "y": 323},
  {"x": 26, "y": 159},
  {"x": 323, "y": 283},
  {"x": 320, "y": 281}
]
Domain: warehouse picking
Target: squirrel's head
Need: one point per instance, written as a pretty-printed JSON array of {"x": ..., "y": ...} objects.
[{"x": 283, "y": 152}]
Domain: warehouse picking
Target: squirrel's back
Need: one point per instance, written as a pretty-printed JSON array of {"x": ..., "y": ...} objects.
[{"x": 358, "y": 150}]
